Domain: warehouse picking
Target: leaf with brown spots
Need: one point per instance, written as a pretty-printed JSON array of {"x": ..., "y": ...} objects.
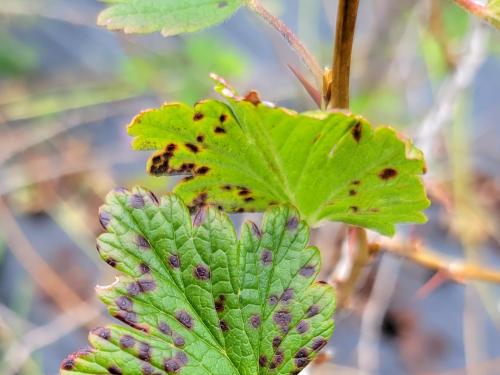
[
  {"x": 198, "y": 301},
  {"x": 331, "y": 166},
  {"x": 170, "y": 17}
]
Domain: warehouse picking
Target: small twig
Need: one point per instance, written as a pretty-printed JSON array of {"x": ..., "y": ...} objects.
[
  {"x": 374, "y": 312},
  {"x": 341, "y": 67},
  {"x": 43, "y": 336},
  {"x": 355, "y": 257},
  {"x": 307, "y": 58},
  {"x": 46, "y": 278},
  {"x": 456, "y": 269}
]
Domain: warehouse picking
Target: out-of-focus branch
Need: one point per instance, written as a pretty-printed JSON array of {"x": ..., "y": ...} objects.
[
  {"x": 305, "y": 55},
  {"x": 42, "y": 336},
  {"x": 442, "y": 112},
  {"x": 45, "y": 277},
  {"x": 426, "y": 257},
  {"x": 355, "y": 257}
]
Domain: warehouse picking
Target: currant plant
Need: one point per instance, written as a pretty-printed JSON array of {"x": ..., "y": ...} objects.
[{"x": 194, "y": 298}]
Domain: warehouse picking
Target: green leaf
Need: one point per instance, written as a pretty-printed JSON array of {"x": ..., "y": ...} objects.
[
  {"x": 171, "y": 17},
  {"x": 245, "y": 156},
  {"x": 199, "y": 301}
]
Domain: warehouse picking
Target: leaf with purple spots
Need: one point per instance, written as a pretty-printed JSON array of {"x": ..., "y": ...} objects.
[
  {"x": 331, "y": 166},
  {"x": 195, "y": 299}
]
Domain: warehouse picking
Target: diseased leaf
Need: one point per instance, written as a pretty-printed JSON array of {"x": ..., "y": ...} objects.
[
  {"x": 199, "y": 301},
  {"x": 170, "y": 17},
  {"x": 244, "y": 155}
]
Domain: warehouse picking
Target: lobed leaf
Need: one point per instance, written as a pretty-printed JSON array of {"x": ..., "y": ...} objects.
[
  {"x": 243, "y": 155},
  {"x": 199, "y": 301},
  {"x": 171, "y": 17}
]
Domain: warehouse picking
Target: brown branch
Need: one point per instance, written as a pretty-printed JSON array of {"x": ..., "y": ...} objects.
[
  {"x": 341, "y": 69},
  {"x": 307, "y": 58},
  {"x": 456, "y": 269}
]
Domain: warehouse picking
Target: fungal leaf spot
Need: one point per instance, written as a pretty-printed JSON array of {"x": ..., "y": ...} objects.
[{"x": 187, "y": 296}]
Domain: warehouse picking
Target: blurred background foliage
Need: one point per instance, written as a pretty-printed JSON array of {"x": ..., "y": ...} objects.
[{"x": 67, "y": 89}]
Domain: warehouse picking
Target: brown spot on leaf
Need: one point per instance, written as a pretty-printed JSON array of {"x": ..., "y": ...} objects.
[
  {"x": 357, "y": 132},
  {"x": 388, "y": 173},
  {"x": 124, "y": 303},
  {"x": 219, "y": 130},
  {"x": 202, "y": 170},
  {"x": 172, "y": 365},
  {"x": 256, "y": 230},
  {"x": 200, "y": 138},
  {"x": 266, "y": 257},
  {"x": 263, "y": 361},
  {"x": 144, "y": 268},
  {"x": 352, "y": 192},
  {"x": 219, "y": 303},
  {"x": 142, "y": 243},
  {"x": 253, "y": 97},
  {"x": 178, "y": 340},
  {"x": 104, "y": 219},
  {"x": 249, "y": 199},
  {"x": 226, "y": 187},
  {"x": 130, "y": 318},
  {"x": 293, "y": 223},
  {"x": 127, "y": 341},
  {"x": 193, "y": 148},
  {"x": 276, "y": 341},
  {"x": 240, "y": 210},
  {"x": 114, "y": 370},
  {"x": 278, "y": 359},
  {"x": 136, "y": 201},
  {"x": 223, "y": 118},
  {"x": 102, "y": 332},
  {"x": 171, "y": 147},
  {"x": 185, "y": 319},
  {"x": 182, "y": 358},
  {"x": 68, "y": 363},
  {"x": 198, "y": 116},
  {"x": 318, "y": 344},
  {"x": 144, "y": 351},
  {"x": 165, "y": 328},
  {"x": 356, "y": 182},
  {"x": 111, "y": 261},
  {"x": 302, "y": 327},
  {"x": 308, "y": 271},
  {"x": 273, "y": 300},
  {"x": 374, "y": 210},
  {"x": 287, "y": 295},
  {"x": 255, "y": 321},
  {"x": 354, "y": 209},
  {"x": 282, "y": 318},
  {"x": 313, "y": 311},
  {"x": 302, "y": 362},
  {"x": 201, "y": 272},
  {"x": 174, "y": 261},
  {"x": 223, "y": 325}
]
